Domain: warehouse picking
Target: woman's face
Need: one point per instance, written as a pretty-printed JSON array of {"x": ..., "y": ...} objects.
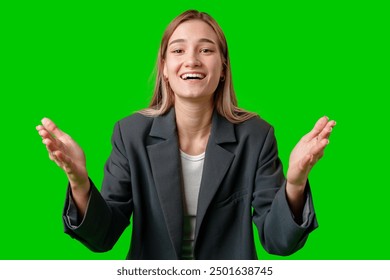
[{"x": 193, "y": 62}]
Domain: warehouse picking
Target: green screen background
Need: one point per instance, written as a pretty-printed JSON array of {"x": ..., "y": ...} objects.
[{"x": 87, "y": 64}]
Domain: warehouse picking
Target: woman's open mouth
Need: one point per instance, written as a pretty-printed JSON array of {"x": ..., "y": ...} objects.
[{"x": 192, "y": 76}]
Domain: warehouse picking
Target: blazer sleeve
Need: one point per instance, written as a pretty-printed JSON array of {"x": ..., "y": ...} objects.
[
  {"x": 108, "y": 213},
  {"x": 278, "y": 231}
]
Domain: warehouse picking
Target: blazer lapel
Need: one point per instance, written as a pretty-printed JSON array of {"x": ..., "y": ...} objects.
[
  {"x": 166, "y": 168},
  {"x": 217, "y": 163}
]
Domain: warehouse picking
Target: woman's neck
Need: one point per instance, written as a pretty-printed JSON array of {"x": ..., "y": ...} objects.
[{"x": 194, "y": 125}]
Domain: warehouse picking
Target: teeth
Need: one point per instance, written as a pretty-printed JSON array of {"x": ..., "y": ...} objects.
[{"x": 192, "y": 76}]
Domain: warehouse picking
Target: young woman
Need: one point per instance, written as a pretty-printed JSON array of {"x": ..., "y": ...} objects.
[{"x": 193, "y": 169}]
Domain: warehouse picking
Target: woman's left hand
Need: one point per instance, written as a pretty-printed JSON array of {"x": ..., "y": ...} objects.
[{"x": 308, "y": 151}]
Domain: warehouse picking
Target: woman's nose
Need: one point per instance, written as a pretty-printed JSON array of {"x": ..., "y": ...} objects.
[{"x": 192, "y": 60}]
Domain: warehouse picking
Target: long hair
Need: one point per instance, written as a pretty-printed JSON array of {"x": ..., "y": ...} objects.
[{"x": 225, "y": 100}]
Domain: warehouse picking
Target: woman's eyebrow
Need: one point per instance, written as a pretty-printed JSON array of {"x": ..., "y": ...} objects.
[
  {"x": 202, "y": 40},
  {"x": 205, "y": 40}
]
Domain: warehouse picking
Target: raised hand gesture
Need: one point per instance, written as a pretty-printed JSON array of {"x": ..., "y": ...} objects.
[
  {"x": 68, "y": 155},
  {"x": 302, "y": 159}
]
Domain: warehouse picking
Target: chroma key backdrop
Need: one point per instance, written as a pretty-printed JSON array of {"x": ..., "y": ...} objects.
[{"x": 87, "y": 64}]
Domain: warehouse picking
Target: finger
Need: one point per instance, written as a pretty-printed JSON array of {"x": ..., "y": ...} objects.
[
  {"x": 51, "y": 154},
  {"x": 318, "y": 150},
  {"x": 63, "y": 158},
  {"x": 45, "y": 134},
  {"x": 53, "y": 157},
  {"x": 318, "y": 127},
  {"x": 59, "y": 164},
  {"x": 49, "y": 140},
  {"x": 325, "y": 133},
  {"x": 62, "y": 161},
  {"x": 57, "y": 155},
  {"x": 51, "y": 144},
  {"x": 39, "y": 127},
  {"x": 52, "y": 128},
  {"x": 52, "y": 149}
]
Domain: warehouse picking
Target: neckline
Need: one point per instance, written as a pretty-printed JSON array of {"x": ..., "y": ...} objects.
[{"x": 192, "y": 157}]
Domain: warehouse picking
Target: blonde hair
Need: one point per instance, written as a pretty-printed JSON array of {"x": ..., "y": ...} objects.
[{"x": 225, "y": 100}]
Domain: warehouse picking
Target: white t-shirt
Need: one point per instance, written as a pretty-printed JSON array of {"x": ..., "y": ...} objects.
[{"x": 192, "y": 168}]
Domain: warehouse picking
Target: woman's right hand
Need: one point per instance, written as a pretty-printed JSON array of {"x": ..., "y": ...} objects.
[{"x": 68, "y": 155}]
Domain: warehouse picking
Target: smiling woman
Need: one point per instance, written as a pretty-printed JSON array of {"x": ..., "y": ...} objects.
[
  {"x": 193, "y": 64},
  {"x": 194, "y": 29},
  {"x": 193, "y": 170}
]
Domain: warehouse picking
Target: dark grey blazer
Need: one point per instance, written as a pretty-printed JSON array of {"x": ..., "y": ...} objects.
[{"x": 242, "y": 183}]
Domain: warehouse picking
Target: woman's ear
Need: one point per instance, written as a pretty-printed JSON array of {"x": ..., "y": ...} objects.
[
  {"x": 165, "y": 71},
  {"x": 222, "y": 77}
]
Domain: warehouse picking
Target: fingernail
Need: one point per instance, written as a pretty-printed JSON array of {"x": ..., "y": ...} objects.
[
  {"x": 44, "y": 120},
  {"x": 326, "y": 117}
]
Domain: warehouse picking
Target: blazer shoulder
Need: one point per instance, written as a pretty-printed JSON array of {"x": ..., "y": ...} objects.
[
  {"x": 135, "y": 124},
  {"x": 256, "y": 126}
]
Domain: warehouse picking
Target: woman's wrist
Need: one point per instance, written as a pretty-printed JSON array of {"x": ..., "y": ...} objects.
[{"x": 81, "y": 188}]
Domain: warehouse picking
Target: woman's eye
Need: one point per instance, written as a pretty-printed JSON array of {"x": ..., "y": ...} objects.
[
  {"x": 206, "y": 50},
  {"x": 177, "y": 51}
]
